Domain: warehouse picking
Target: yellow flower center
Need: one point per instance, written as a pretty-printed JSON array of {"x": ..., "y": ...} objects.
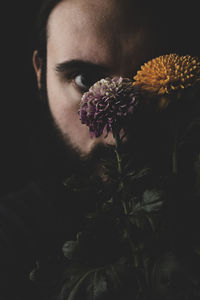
[{"x": 167, "y": 74}]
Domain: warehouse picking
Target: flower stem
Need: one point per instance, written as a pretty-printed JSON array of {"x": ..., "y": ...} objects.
[
  {"x": 119, "y": 161},
  {"x": 123, "y": 200},
  {"x": 133, "y": 247},
  {"x": 174, "y": 154},
  {"x": 120, "y": 170}
]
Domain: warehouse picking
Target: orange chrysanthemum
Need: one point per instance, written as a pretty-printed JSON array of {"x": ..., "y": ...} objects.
[{"x": 168, "y": 74}]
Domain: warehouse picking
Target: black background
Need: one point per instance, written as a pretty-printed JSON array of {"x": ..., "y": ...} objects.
[
  {"x": 18, "y": 91},
  {"x": 18, "y": 108}
]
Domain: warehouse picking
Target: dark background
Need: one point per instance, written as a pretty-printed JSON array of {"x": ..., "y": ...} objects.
[{"x": 18, "y": 92}]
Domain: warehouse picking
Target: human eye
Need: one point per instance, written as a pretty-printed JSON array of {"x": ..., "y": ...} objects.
[
  {"x": 81, "y": 75},
  {"x": 84, "y": 81}
]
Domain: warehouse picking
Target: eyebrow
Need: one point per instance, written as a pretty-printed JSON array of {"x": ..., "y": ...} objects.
[{"x": 76, "y": 64}]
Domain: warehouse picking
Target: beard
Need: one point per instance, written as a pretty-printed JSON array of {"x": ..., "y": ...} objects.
[
  {"x": 54, "y": 156},
  {"x": 52, "y": 153}
]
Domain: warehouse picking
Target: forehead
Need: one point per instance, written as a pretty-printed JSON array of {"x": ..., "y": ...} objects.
[{"x": 100, "y": 31}]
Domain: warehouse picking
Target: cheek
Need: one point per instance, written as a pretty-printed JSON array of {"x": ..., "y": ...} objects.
[
  {"x": 63, "y": 98},
  {"x": 64, "y": 102}
]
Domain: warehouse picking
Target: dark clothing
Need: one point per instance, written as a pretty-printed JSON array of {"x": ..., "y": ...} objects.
[{"x": 35, "y": 222}]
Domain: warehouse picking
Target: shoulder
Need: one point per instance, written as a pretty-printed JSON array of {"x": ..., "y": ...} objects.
[
  {"x": 29, "y": 217},
  {"x": 39, "y": 214},
  {"x": 34, "y": 222},
  {"x": 18, "y": 245}
]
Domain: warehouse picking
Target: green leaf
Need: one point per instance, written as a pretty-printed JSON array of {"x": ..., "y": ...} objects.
[
  {"x": 71, "y": 249},
  {"x": 138, "y": 175},
  {"x": 151, "y": 222},
  {"x": 115, "y": 281},
  {"x": 152, "y": 200}
]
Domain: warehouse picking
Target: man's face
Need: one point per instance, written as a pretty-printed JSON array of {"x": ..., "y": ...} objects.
[{"x": 89, "y": 40}]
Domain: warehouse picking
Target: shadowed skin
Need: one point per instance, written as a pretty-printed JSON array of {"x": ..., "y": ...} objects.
[{"x": 89, "y": 40}]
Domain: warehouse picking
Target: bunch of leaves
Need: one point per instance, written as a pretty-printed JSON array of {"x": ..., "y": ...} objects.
[
  {"x": 112, "y": 257},
  {"x": 142, "y": 224}
]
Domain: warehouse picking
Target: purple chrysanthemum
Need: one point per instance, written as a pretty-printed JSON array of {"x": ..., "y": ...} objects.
[{"x": 106, "y": 103}]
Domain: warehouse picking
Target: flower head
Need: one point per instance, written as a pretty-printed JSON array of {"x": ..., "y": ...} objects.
[
  {"x": 168, "y": 74},
  {"x": 106, "y": 103}
]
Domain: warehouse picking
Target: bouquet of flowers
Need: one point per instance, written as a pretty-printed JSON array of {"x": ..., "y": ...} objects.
[{"x": 141, "y": 238}]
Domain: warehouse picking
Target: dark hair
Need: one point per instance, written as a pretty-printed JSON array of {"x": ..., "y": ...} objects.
[
  {"x": 41, "y": 25},
  {"x": 181, "y": 24}
]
